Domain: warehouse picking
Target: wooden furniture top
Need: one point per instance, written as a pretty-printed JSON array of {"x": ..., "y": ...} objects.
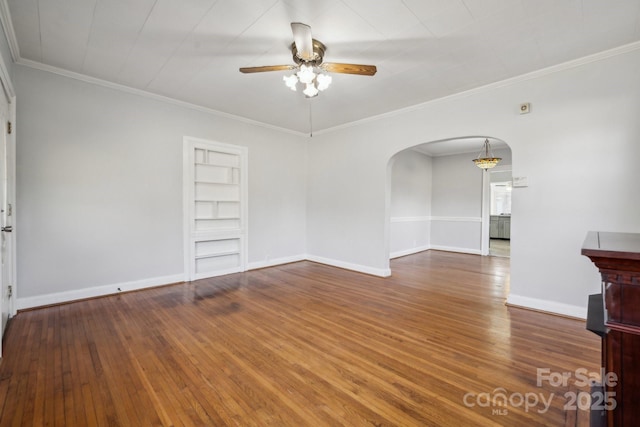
[
  {"x": 612, "y": 245},
  {"x": 608, "y": 250}
]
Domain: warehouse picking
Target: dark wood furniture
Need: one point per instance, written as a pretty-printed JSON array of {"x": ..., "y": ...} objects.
[{"x": 617, "y": 256}]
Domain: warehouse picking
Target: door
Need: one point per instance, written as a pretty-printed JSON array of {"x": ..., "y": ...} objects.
[
  {"x": 215, "y": 211},
  {"x": 6, "y": 217}
]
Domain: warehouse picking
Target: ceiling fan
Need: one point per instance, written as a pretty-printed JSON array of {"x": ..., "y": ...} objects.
[{"x": 308, "y": 53}]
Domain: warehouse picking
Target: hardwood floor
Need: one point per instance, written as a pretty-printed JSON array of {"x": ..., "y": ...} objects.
[
  {"x": 299, "y": 344},
  {"x": 500, "y": 247}
]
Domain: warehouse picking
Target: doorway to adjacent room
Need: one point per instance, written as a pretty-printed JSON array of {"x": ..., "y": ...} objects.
[{"x": 500, "y": 187}]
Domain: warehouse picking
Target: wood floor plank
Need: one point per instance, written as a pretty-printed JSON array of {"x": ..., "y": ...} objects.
[{"x": 298, "y": 344}]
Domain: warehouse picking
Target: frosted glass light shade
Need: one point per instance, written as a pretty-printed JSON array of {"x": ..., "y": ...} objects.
[
  {"x": 313, "y": 82},
  {"x": 306, "y": 74},
  {"x": 291, "y": 81},
  {"x": 323, "y": 81},
  {"x": 310, "y": 91}
]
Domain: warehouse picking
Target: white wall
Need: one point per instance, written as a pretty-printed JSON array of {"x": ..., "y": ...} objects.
[
  {"x": 436, "y": 203},
  {"x": 410, "y": 205},
  {"x": 457, "y": 204},
  {"x": 456, "y": 224},
  {"x": 501, "y": 175},
  {"x": 578, "y": 148},
  {"x": 100, "y": 187},
  {"x": 99, "y": 180}
]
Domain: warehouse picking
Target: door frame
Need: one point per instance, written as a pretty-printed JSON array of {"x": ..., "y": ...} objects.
[
  {"x": 189, "y": 144},
  {"x": 486, "y": 205},
  {"x": 8, "y": 91}
]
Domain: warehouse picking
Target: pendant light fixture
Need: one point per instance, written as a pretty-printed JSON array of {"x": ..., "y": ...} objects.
[{"x": 486, "y": 159}]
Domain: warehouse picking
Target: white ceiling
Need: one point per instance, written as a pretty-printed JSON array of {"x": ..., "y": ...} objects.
[{"x": 190, "y": 50}]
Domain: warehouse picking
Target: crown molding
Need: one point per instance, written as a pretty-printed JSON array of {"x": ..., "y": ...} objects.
[
  {"x": 9, "y": 32},
  {"x": 620, "y": 50},
  {"x": 5, "y": 19},
  {"x": 143, "y": 93},
  {"x": 5, "y": 77}
]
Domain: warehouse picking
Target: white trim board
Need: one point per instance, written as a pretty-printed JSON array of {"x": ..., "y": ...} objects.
[
  {"x": 116, "y": 288},
  {"x": 547, "y": 306},
  {"x": 143, "y": 93},
  {"x": 620, "y": 50},
  {"x": 256, "y": 265},
  {"x": 9, "y": 31},
  {"x": 5, "y": 18},
  {"x": 380, "y": 272},
  {"x": 97, "y": 291},
  {"x": 456, "y": 249},
  {"x": 113, "y": 289},
  {"x": 406, "y": 252}
]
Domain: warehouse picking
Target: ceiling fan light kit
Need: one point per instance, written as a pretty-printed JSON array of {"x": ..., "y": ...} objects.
[
  {"x": 308, "y": 55},
  {"x": 314, "y": 82}
]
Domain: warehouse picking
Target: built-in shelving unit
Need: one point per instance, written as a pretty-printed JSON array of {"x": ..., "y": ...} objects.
[{"x": 216, "y": 224}]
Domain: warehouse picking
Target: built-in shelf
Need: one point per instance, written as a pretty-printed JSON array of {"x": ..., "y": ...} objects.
[
  {"x": 216, "y": 215},
  {"x": 214, "y": 200},
  {"x": 216, "y": 183},
  {"x": 219, "y": 254},
  {"x": 201, "y": 218}
]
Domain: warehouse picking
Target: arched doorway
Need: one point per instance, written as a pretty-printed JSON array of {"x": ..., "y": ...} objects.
[{"x": 438, "y": 199}]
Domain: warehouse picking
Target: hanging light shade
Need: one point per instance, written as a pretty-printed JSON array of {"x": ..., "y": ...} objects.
[
  {"x": 306, "y": 74},
  {"x": 291, "y": 81},
  {"x": 313, "y": 82},
  {"x": 486, "y": 159},
  {"x": 310, "y": 91}
]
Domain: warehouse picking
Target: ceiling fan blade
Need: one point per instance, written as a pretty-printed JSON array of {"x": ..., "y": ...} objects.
[
  {"x": 363, "y": 70},
  {"x": 267, "y": 68},
  {"x": 303, "y": 40}
]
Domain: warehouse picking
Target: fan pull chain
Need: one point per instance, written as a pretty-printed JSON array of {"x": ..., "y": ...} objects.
[{"x": 310, "y": 121}]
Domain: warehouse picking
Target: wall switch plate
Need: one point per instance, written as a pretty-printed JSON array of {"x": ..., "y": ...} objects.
[
  {"x": 525, "y": 108},
  {"x": 520, "y": 181}
]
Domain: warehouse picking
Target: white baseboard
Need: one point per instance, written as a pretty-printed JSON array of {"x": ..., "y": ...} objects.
[
  {"x": 406, "y": 252},
  {"x": 548, "y": 306},
  {"x": 276, "y": 261},
  {"x": 456, "y": 249},
  {"x": 98, "y": 291},
  {"x": 381, "y": 272}
]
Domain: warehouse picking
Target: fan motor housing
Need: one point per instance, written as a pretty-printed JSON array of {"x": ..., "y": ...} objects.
[{"x": 318, "y": 53}]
